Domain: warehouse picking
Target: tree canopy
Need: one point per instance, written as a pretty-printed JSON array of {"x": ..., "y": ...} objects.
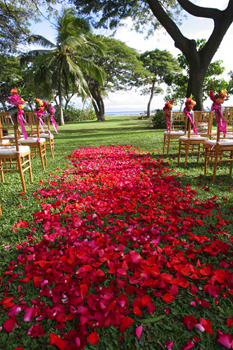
[
  {"x": 15, "y": 17},
  {"x": 166, "y": 13},
  {"x": 123, "y": 71},
  {"x": 159, "y": 64},
  {"x": 178, "y": 82},
  {"x": 64, "y": 61}
]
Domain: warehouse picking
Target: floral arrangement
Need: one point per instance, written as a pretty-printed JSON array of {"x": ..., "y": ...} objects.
[
  {"x": 189, "y": 104},
  {"x": 167, "y": 109},
  {"x": 41, "y": 108},
  {"x": 218, "y": 100},
  {"x": 51, "y": 111},
  {"x": 18, "y": 102}
]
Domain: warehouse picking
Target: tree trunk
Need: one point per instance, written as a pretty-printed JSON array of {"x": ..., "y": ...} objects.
[
  {"x": 97, "y": 102},
  {"x": 61, "y": 118},
  {"x": 195, "y": 86},
  {"x": 198, "y": 61},
  {"x": 151, "y": 97},
  {"x": 3, "y": 102}
]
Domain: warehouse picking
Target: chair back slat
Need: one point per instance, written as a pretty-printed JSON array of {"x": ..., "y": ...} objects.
[
  {"x": 203, "y": 121},
  {"x": 178, "y": 121},
  {"x": 33, "y": 121}
]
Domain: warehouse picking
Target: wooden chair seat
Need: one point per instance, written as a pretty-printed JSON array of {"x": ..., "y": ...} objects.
[
  {"x": 221, "y": 142},
  {"x": 31, "y": 139},
  {"x": 4, "y": 142},
  {"x": 37, "y": 144},
  {"x": 11, "y": 150},
  {"x": 13, "y": 157},
  {"x": 220, "y": 149},
  {"x": 178, "y": 127},
  {"x": 203, "y": 123}
]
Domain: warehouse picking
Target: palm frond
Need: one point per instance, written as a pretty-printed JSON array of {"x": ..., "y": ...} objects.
[
  {"x": 91, "y": 69},
  {"x": 38, "y": 39}
]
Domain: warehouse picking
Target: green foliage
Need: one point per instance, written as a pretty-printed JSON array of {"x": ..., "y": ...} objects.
[
  {"x": 179, "y": 82},
  {"x": 63, "y": 64},
  {"x": 75, "y": 114},
  {"x": 16, "y": 17},
  {"x": 104, "y": 13},
  {"x": 159, "y": 120}
]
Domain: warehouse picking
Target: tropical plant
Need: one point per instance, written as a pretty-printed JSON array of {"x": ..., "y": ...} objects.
[{"x": 64, "y": 61}]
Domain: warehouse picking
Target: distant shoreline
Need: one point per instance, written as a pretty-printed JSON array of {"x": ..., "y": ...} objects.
[{"x": 113, "y": 114}]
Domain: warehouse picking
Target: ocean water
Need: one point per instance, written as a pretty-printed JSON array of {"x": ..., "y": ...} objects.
[{"x": 124, "y": 113}]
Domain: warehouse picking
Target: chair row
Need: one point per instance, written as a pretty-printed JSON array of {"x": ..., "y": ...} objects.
[
  {"x": 16, "y": 151},
  {"x": 198, "y": 133}
]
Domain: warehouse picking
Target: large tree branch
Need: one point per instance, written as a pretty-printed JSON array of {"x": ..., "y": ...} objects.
[
  {"x": 188, "y": 47},
  {"x": 221, "y": 25},
  {"x": 199, "y": 11}
]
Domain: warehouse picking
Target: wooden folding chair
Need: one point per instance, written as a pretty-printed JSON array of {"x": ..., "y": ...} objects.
[
  {"x": 178, "y": 127},
  {"x": 215, "y": 150},
  {"x": 14, "y": 157},
  {"x": 49, "y": 137},
  {"x": 34, "y": 141},
  {"x": 203, "y": 122},
  {"x": 7, "y": 134}
]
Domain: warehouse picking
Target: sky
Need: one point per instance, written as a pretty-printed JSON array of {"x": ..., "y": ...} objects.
[{"x": 192, "y": 28}]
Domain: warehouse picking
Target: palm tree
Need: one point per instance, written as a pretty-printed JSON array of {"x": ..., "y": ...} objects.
[{"x": 64, "y": 62}]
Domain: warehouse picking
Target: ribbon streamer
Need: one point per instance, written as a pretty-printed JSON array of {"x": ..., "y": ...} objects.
[
  {"x": 168, "y": 122},
  {"x": 21, "y": 122},
  {"x": 186, "y": 112},
  {"x": 220, "y": 121}
]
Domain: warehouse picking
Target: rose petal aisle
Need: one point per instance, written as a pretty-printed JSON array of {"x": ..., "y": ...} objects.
[{"x": 129, "y": 257}]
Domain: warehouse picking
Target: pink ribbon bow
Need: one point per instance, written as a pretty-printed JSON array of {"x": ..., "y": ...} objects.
[{"x": 186, "y": 112}]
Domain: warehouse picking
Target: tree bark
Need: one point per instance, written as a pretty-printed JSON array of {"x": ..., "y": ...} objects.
[
  {"x": 3, "y": 102},
  {"x": 198, "y": 60},
  {"x": 97, "y": 102},
  {"x": 61, "y": 118},
  {"x": 151, "y": 97}
]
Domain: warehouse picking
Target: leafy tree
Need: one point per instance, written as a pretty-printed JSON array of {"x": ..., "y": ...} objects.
[
  {"x": 64, "y": 61},
  {"x": 10, "y": 76},
  {"x": 166, "y": 13},
  {"x": 179, "y": 82},
  {"x": 123, "y": 71},
  {"x": 159, "y": 64},
  {"x": 230, "y": 84},
  {"x": 15, "y": 17}
]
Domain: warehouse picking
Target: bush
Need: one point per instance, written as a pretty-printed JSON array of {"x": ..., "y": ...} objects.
[
  {"x": 75, "y": 114},
  {"x": 159, "y": 120}
]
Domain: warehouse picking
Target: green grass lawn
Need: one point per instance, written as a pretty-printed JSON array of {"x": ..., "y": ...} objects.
[{"x": 114, "y": 131}]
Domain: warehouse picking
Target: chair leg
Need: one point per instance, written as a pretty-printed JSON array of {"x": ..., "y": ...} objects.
[
  {"x": 168, "y": 145},
  {"x": 30, "y": 167},
  {"x": 198, "y": 152},
  {"x": 231, "y": 157},
  {"x": 51, "y": 144},
  {"x": 1, "y": 170},
  {"x": 21, "y": 172},
  {"x": 206, "y": 160},
  {"x": 44, "y": 154},
  {"x": 179, "y": 151},
  {"x": 164, "y": 143},
  {"x": 41, "y": 156},
  {"x": 215, "y": 164},
  {"x": 186, "y": 152}
]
